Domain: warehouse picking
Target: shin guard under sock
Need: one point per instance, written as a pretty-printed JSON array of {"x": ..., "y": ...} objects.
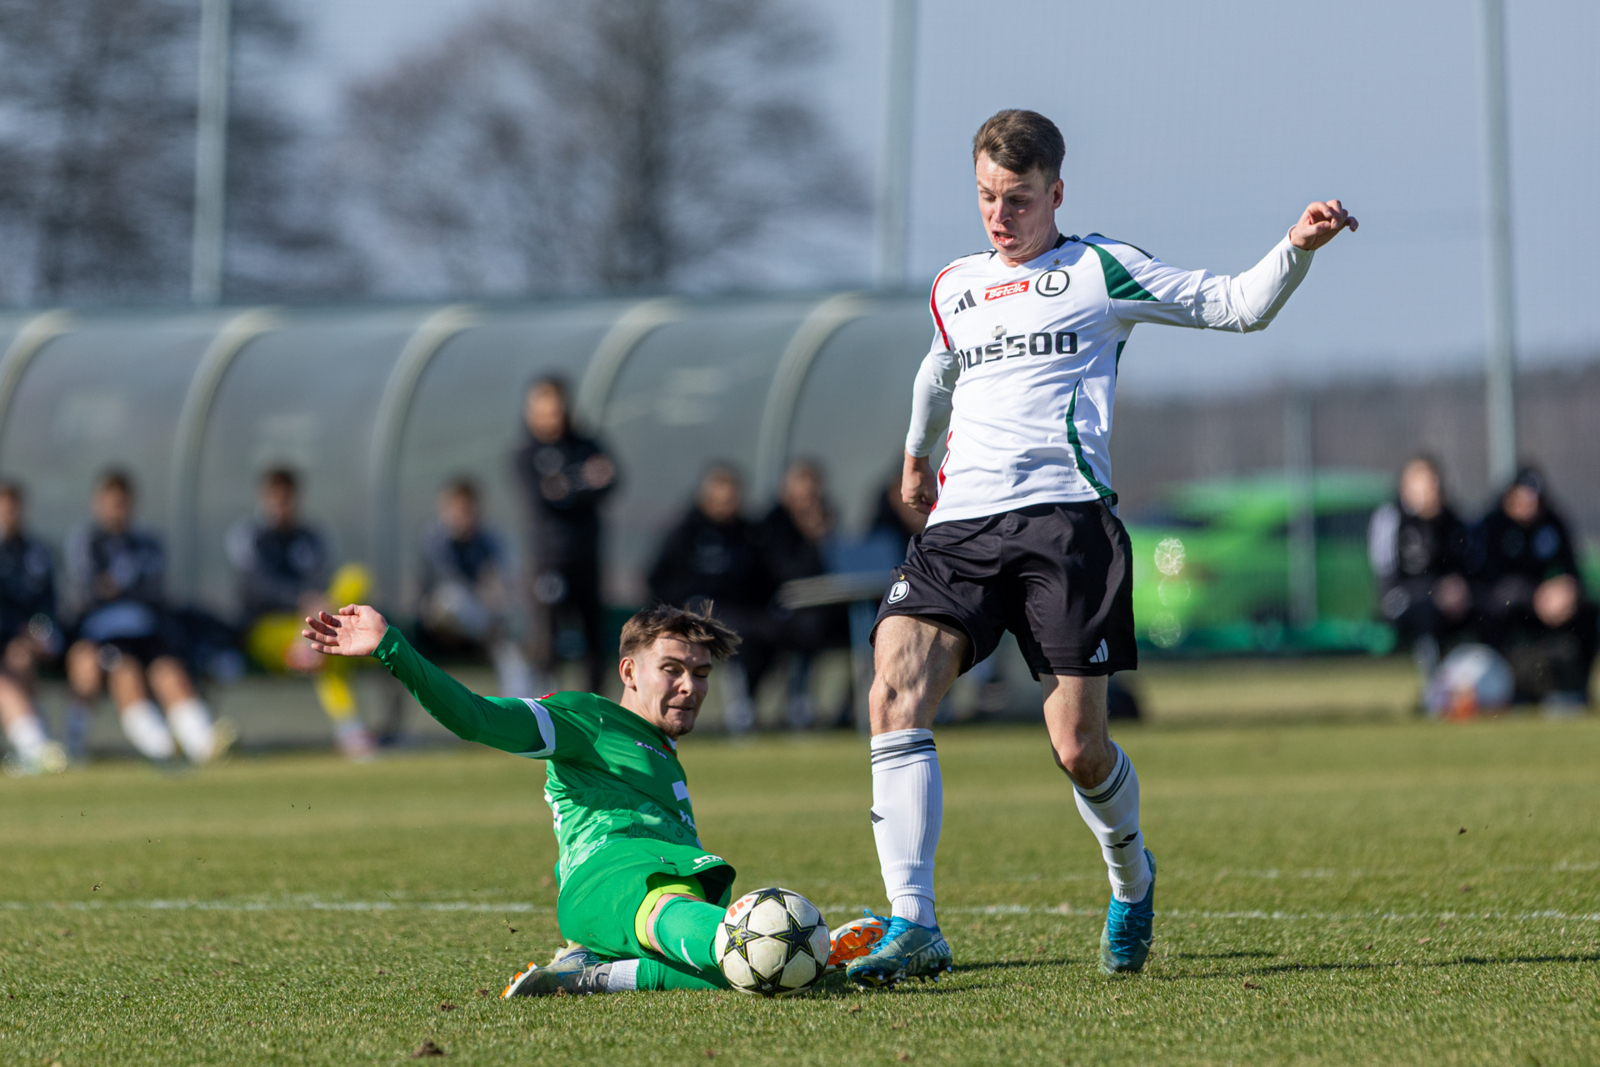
[
  {"x": 658, "y": 974},
  {"x": 1112, "y": 811},
  {"x": 907, "y": 814},
  {"x": 686, "y": 931}
]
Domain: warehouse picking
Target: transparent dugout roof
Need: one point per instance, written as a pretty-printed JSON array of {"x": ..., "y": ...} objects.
[{"x": 679, "y": 384}]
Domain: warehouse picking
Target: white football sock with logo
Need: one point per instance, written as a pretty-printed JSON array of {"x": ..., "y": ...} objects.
[
  {"x": 907, "y": 814},
  {"x": 147, "y": 730},
  {"x": 191, "y": 722},
  {"x": 1112, "y": 811},
  {"x": 26, "y": 736}
]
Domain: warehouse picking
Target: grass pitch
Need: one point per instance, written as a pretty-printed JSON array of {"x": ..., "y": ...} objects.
[{"x": 1330, "y": 893}]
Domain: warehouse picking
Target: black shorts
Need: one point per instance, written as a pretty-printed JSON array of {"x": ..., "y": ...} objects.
[{"x": 1058, "y": 576}]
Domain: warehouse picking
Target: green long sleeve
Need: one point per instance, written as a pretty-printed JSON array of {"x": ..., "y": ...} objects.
[{"x": 499, "y": 722}]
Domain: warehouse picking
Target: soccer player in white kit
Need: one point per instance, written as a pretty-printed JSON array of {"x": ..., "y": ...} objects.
[{"x": 1022, "y": 530}]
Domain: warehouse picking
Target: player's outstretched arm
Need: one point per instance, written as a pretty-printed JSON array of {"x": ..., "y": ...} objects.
[
  {"x": 507, "y": 724},
  {"x": 1321, "y": 223}
]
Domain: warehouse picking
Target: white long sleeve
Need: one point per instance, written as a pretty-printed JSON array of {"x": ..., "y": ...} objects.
[
  {"x": 931, "y": 395},
  {"x": 1244, "y": 302}
]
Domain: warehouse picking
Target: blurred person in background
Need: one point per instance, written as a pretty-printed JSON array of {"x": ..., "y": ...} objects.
[
  {"x": 714, "y": 556},
  {"x": 283, "y": 569},
  {"x": 466, "y": 588},
  {"x": 1417, "y": 546},
  {"x": 29, "y": 635},
  {"x": 793, "y": 538},
  {"x": 1536, "y": 613},
  {"x": 565, "y": 477},
  {"x": 124, "y": 641},
  {"x": 894, "y": 519}
]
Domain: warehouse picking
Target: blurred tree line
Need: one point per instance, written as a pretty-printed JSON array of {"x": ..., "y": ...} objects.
[{"x": 543, "y": 146}]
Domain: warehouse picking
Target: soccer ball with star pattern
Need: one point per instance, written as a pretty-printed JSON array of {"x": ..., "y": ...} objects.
[{"x": 773, "y": 943}]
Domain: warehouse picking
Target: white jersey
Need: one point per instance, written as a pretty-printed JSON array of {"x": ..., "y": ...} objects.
[{"x": 1023, "y": 368}]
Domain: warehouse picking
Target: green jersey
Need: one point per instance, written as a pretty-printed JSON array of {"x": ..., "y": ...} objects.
[{"x": 611, "y": 777}]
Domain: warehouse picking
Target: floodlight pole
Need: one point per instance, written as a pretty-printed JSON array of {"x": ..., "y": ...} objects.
[
  {"x": 891, "y": 223},
  {"x": 1500, "y": 358},
  {"x": 210, "y": 153}
]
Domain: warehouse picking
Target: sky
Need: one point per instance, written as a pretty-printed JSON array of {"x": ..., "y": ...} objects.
[{"x": 1199, "y": 132}]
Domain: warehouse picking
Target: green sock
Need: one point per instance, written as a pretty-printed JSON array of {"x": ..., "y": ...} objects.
[
  {"x": 657, "y": 974},
  {"x": 686, "y": 930}
]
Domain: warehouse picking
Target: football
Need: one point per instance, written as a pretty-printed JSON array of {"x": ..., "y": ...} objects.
[{"x": 773, "y": 943}]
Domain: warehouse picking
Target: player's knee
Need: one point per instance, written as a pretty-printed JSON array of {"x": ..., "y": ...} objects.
[{"x": 1084, "y": 755}]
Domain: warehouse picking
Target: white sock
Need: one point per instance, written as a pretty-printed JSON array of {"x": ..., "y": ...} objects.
[
  {"x": 624, "y": 977},
  {"x": 191, "y": 723},
  {"x": 26, "y": 736},
  {"x": 907, "y": 813},
  {"x": 143, "y": 725},
  {"x": 1112, "y": 811},
  {"x": 516, "y": 680}
]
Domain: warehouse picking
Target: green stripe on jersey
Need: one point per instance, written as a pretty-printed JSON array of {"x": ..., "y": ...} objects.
[
  {"x": 1119, "y": 283},
  {"x": 1077, "y": 448}
]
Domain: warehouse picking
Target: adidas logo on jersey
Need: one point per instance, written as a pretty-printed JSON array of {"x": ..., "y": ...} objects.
[
  {"x": 966, "y": 303},
  {"x": 1101, "y": 654}
]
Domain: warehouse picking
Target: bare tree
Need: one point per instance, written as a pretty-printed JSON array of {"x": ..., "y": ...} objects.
[
  {"x": 97, "y": 106},
  {"x": 576, "y": 145}
]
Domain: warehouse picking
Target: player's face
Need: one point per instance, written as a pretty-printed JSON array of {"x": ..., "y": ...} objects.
[
  {"x": 668, "y": 682},
  {"x": 1019, "y": 210}
]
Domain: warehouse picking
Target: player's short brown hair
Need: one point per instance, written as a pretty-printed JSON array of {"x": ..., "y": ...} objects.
[
  {"x": 1021, "y": 141},
  {"x": 664, "y": 620}
]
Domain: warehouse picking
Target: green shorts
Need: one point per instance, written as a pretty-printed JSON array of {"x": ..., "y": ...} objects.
[{"x": 600, "y": 898}]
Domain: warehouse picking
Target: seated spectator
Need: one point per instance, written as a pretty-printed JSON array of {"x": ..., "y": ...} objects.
[
  {"x": 713, "y": 555},
  {"x": 792, "y": 538},
  {"x": 1418, "y": 550},
  {"x": 124, "y": 641},
  {"x": 466, "y": 589},
  {"x": 28, "y": 635},
  {"x": 282, "y": 565},
  {"x": 1531, "y": 591}
]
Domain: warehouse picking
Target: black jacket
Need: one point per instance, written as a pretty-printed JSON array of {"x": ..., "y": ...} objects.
[
  {"x": 563, "y": 508},
  {"x": 27, "y": 583},
  {"x": 786, "y": 552},
  {"x": 276, "y": 567},
  {"x": 701, "y": 559},
  {"x": 1507, "y": 549}
]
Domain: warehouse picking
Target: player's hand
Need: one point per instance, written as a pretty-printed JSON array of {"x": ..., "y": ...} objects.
[
  {"x": 919, "y": 489},
  {"x": 355, "y": 631},
  {"x": 1320, "y": 224}
]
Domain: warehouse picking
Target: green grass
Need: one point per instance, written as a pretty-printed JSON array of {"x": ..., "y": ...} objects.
[{"x": 1318, "y": 903}]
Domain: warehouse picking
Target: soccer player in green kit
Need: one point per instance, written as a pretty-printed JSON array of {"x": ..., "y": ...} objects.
[{"x": 640, "y": 899}]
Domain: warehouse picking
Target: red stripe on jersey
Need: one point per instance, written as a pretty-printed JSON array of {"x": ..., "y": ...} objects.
[
  {"x": 933, "y": 306},
  {"x": 947, "y": 439}
]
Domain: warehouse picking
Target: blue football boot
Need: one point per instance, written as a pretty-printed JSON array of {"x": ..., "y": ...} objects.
[
  {"x": 905, "y": 951},
  {"x": 1125, "y": 940}
]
